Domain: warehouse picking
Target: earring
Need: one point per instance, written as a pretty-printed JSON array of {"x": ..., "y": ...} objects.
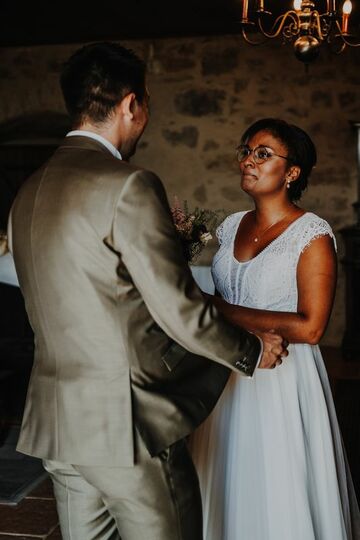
[{"x": 288, "y": 184}]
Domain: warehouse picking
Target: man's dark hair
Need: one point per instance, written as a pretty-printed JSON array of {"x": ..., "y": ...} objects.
[
  {"x": 97, "y": 77},
  {"x": 301, "y": 149}
]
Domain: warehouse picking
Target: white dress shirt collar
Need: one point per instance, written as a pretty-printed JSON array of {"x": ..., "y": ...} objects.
[{"x": 83, "y": 133}]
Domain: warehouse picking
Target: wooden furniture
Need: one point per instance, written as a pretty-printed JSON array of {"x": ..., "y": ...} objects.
[
  {"x": 351, "y": 262},
  {"x": 344, "y": 377}
]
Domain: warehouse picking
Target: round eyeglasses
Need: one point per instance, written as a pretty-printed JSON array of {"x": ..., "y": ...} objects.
[{"x": 260, "y": 153}]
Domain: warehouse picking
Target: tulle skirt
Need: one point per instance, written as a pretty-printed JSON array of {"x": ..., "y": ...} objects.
[{"x": 270, "y": 458}]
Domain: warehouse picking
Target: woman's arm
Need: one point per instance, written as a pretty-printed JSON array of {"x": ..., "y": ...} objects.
[{"x": 316, "y": 279}]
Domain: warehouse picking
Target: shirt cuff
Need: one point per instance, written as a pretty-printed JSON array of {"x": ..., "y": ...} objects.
[
  {"x": 259, "y": 357},
  {"x": 261, "y": 352}
]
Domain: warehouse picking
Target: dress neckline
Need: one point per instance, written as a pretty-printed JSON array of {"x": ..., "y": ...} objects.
[{"x": 268, "y": 245}]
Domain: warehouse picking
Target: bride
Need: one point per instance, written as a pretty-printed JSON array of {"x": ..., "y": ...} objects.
[{"x": 270, "y": 458}]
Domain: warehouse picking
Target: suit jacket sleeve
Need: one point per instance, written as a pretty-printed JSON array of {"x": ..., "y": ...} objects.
[{"x": 144, "y": 235}]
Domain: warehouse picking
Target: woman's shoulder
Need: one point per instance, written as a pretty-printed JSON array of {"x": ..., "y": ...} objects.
[
  {"x": 311, "y": 216},
  {"x": 310, "y": 227},
  {"x": 230, "y": 223}
]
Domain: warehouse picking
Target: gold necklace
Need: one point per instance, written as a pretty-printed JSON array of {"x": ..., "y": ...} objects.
[{"x": 260, "y": 235}]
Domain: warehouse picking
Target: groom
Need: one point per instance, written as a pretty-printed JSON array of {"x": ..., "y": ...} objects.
[{"x": 129, "y": 358}]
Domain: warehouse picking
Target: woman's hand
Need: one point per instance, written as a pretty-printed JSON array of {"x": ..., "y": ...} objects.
[{"x": 274, "y": 349}]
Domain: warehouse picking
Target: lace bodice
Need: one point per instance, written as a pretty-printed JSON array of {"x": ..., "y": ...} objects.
[{"x": 268, "y": 280}]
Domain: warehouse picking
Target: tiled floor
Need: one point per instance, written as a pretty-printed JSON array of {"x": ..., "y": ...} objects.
[{"x": 34, "y": 517}]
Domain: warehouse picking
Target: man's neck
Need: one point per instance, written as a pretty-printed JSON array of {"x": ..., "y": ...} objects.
[{"x": 99, "y": 137}]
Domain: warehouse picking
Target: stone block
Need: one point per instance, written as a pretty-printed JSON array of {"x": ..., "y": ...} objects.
[
  {"x": 187, "y": 136},
  {"x": 197, "y": 102}
]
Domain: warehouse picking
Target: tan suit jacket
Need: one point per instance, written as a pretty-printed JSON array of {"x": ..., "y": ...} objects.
[{"x": 121, "y": 329}]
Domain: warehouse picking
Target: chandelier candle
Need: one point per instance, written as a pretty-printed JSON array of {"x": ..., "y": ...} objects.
[
  {"x": 331, "y": 6},
  {"x": 245, "y": 10},
  {"x": 347, "y": 7}
]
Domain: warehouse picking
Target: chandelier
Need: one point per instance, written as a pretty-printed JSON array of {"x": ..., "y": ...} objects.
[{"x": 304, "y": 26}]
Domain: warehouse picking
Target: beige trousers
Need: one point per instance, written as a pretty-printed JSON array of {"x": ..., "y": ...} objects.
[{"x": 157, "y": 499}]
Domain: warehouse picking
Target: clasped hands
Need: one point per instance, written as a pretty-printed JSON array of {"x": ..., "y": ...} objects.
[{"x": 274, "y": 349}]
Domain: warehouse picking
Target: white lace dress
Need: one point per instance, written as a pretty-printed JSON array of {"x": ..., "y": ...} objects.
[{"x": 270, "y": 458}]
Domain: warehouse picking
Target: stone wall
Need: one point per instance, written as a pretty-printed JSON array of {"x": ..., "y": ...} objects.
[{"x": 204, "y": 92}]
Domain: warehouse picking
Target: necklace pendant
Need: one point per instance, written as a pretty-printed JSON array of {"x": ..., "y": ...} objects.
[{"x": 256, "y": 239}]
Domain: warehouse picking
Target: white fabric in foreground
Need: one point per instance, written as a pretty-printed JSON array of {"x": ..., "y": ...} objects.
[
  {"x": 7, "y": 270},
  {"x": 202, "y": 276}
]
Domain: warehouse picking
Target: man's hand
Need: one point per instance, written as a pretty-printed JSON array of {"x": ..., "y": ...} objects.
[{"x": 274, "y": 348}]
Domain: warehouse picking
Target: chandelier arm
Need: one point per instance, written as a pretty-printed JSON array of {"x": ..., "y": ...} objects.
[
  {"x": 348, "y": 43},
  {"x": 316, "y": 16},
  {"x": 244, "y": 35},
  {"x": 343, "y": 37},
  {"x": 341, "y": 49},
  {"x": 282, "y": 19}
]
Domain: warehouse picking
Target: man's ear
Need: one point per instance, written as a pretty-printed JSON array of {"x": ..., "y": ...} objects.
[
  {"x": 293, "y": 173},
  {"x": 127, "y": 105}
]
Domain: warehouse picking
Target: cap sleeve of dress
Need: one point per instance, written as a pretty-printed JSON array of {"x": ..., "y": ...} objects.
[
  {"x": 226, "y": 229},
  {"x": 314, "y": 227}
]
